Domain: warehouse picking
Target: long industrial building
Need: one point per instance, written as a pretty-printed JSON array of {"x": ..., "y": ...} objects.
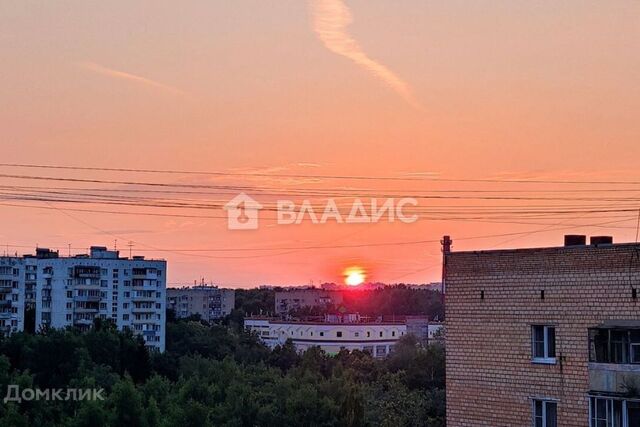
[
  {"x": 335, "y": 332},
  {"x": 544, "y": 337},
  {"x": 66, "y": 291}
]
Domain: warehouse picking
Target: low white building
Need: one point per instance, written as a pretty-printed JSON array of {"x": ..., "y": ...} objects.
[{"x": 378, "y": 338}]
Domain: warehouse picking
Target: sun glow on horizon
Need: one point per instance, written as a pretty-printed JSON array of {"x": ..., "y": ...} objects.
[{"x": 354, "y": 276}]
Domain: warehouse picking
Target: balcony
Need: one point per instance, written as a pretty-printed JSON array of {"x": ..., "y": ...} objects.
[
  {"x": 143, "y": 285},
  {"x": 86, "y": 272},
  {"x": 87, "y": 298},
  {"x": 83, "y": 322},
  {"x": 614, "y": 357},
  {"x": 87, "y": 309},
  {"x": 84, "y": 284},
  {"x": 143, "y": 297},
  {"x": 142, "y": 309},
  {"x": 144, "y": 273},
  {"x": 613, "y": 378}
]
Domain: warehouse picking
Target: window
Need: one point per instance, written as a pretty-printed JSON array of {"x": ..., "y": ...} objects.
[
  {"x": 620, "y": 346},
  {"x": 543, "y": 344},
  {"x": 545, "y": 413},
  {"x": 356, "y": 334},
  {"x": 606, "y": 412},
  {"x": 339, "y": 334}
]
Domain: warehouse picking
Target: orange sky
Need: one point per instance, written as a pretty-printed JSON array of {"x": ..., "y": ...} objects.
[{"x": 457, "y": 89}]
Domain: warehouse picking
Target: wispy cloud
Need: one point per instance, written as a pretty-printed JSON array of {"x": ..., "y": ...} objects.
[
  {"x": 117, "y": 74},
  {"x": 331, "y": 18}
]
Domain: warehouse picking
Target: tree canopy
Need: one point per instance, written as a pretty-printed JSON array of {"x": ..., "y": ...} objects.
[{"x": 217, "y": 376}]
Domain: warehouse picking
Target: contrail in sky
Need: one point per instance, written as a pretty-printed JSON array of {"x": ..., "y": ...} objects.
[
  {"x": 331, "y": 18},
  {"x": 92, "y": 66}
]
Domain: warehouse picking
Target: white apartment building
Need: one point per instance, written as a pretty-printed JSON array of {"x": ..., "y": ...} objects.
[
  {"x": 73, "y": 291},
  {"x": 378, "y": 338},
  {"x": 210, "y": 302}
]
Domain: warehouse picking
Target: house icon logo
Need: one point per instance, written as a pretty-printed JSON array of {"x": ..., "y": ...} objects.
[{"x": 242, "y": 212}]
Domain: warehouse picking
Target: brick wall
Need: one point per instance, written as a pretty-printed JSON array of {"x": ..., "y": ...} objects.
[{"x": 490, "y": 377}]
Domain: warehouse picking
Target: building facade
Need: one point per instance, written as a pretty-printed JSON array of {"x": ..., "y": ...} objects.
[
  {"x": 73, "y": 291},
  {"x": 544, "y": 337},
  {"x": 292, "y": 299},
  {"x": 209, "y": 302},
  {"x": 378, "y": 338},
  {"x": 12, "y": 294}
]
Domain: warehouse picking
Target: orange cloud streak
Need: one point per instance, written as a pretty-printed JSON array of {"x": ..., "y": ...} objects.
[
  {"x": 331, "y": 18},
  {"x": 91, "y": 66}
]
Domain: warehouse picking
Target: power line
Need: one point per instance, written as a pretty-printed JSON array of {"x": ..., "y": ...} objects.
[
  {"x": 346, "y": 246},
  {"x": 343, "y": 177}
]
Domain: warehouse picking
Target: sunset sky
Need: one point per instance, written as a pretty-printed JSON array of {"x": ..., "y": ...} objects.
[{"x": 286, "y": 98}]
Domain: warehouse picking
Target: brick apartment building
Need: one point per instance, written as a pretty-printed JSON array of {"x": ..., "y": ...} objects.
[{"x": 544, "y": 337}]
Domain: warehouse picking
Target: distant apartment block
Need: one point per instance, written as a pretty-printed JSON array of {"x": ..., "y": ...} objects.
[
  {"x": 292, "y": 299},
  {"x": 433, "y": 286},
  {"x": 73, "y": 291},
  {"x": 544, "y": 337},
  {"x": 423, "y": 329},
  {"x": 209, "y": 302},
  {"x": 12, "y": 294},
  {"x": 332, "y": 334}
]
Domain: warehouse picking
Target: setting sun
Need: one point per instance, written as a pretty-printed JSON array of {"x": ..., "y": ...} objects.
[{"x": 354, "y": 276}]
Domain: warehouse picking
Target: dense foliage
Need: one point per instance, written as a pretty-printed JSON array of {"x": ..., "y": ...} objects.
[
  {"x": 389, "y": 301},
  {"x": 217, "y": 376},
  {"x": 399, "y": 300},
  {"x": 256, "y": 301}
]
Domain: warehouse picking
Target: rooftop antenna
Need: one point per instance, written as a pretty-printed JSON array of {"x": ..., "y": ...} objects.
[
  {"x": 130, "y": 244},
  {"x": 115, "y": 245},
  {"x": 69, "y": 250}
]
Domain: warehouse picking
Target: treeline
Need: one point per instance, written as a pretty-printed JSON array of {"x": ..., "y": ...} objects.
[
  {"x": 391, "y": 300},
  {"x": 216, "y": 376},
  {"x": 398, "y": 299},
  {"x": 256, "y": 301}
]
